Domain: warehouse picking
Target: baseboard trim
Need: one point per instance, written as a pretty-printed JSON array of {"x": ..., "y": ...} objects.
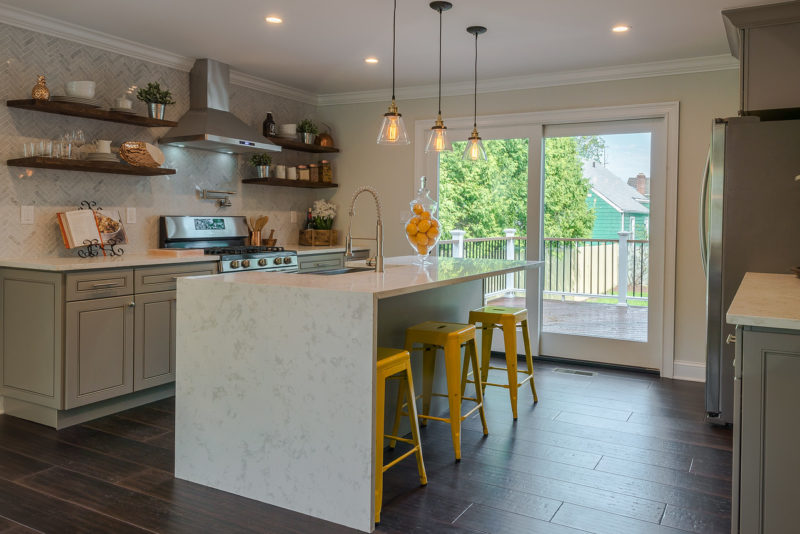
[
  {"x": 586, "y": 363},
  {"x": 691, "y": 371}
]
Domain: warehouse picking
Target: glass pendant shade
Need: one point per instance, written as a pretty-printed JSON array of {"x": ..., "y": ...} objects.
[
  {"x": 474, "y": 150},
  {"x": 437, "y": 140},
  {"x": 393, "y": 129}
]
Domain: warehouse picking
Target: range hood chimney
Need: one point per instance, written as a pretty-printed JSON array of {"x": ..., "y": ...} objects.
[{"x": 209, "y": 124}]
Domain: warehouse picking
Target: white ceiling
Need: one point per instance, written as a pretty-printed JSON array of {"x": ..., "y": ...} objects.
[{"x": 321, "y": 46}]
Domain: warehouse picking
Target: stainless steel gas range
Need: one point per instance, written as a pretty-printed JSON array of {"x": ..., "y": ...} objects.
[{"x": 225, "y": 237}]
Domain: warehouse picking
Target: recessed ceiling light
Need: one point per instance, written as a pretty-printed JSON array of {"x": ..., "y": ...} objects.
[
  {"x": 371, "y": 60},
  {"x": 620, "y": 28},
  {"x": 274, "y": 20}
]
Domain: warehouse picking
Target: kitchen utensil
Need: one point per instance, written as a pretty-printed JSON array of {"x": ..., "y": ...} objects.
[
  {"x": 249, "y": 221},
  {"x": 270, "y": 242},
  {"x": 261, "y": 222},
  {"x": 84, "y": 89},
  {"x": 141, "y": 154}
]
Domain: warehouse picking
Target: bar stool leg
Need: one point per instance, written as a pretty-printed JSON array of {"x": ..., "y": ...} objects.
[
  {"x": 428, "y": 371},
  {"x": 486, "y": 352},
  {"x": 380, "y": 398},
  {"x": 510, "y": 338},
  {"x": 412, "y": 416},
  {"x": 528, "y": 357},
  {"x": 472, "y": 354},
  {"x": 452, "y": 361},
  {"x": 401, "y": 393}
]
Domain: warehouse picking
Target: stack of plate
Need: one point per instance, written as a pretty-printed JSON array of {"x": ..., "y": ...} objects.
[
  {"x": 75, "y": 100},
  {"x": 101, "y": 156}
]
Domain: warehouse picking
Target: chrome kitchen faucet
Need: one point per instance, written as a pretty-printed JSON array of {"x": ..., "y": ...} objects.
[{"x": 348, "y": 252}]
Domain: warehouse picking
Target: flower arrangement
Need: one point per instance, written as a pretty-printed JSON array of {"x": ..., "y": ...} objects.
[
  {"x": 323, "y": 214},
  {"x": 153, "y": 94}
]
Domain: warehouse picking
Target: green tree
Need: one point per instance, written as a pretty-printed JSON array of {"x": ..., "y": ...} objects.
[
  {"x": 566, "y": 213},
  {"x": 591, "y": 147}
]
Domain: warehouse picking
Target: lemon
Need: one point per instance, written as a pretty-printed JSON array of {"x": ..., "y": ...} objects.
[
  {"x": 411, "y": 229},
  {"x": 424, "y": 225},
  {"x": 418, "y": 208}
]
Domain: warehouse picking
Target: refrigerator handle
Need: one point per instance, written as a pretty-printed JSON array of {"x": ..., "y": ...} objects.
[{"x": 703, "y": 208}]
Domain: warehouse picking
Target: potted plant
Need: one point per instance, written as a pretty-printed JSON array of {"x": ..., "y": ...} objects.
[
  {"x": 261, "y": 162},
  {"x": 307, "y": 130},
  {"x": 157, "y": 99}
]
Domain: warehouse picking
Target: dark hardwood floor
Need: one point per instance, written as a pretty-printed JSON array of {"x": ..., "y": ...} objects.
[{"x": 617, "y": 452}]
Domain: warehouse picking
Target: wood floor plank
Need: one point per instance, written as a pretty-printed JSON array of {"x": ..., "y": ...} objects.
[
  {"x": 672, "y": 477},
  {"x": 165, "y": 441},
  {"x": 598, "y": 522},
  {"x": 127, "y": 428},
  {"x": 696, "y": 521},
  {"x": 494, "y": 521},
  {"x": 720, "y": 469},
  {"x": 14, "y": 466},
  {"x": 118, "y": 446},
  {"x": 46, "y": 514},
  {"x": 165, "y": 405},
  {"x": 422, "y": 511},
  {"x": 151, "y": 416}
]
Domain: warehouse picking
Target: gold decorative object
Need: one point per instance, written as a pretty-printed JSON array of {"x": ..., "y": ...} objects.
[
  {"x": 40, "y": 90},
  {"x": 141, "y": 154},
  {"x": 325, "y": 139}
]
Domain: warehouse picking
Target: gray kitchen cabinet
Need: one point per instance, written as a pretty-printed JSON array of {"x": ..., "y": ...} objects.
[
  {"x": 325, "y": 261},
  {"x": 154, "y": 346},
  {"x": 98, "y": 349},
  {"x": 766, "y": 463}
]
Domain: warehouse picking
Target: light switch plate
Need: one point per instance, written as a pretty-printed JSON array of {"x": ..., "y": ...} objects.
[
  {"x": 293, "y": 217},
  {"x": 26, "y": 215},
  {"x": 130, "y": 215}
]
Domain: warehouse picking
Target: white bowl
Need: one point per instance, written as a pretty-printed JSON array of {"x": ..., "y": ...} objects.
[{"x": 80, "y": 89}]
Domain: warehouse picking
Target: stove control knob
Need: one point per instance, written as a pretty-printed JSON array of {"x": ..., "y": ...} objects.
[
  {"x": 235, "y": 264},
  {"x": 245, "y": 263},
  {"x": 262, "y": 262},
  {"x": 276, "y": 261},
  {"x": 287, "y": 260}
]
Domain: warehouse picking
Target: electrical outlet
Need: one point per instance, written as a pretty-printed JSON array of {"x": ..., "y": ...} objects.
[
  {"x": 130, "y": 215},
  {"x": 26, "y": 215},
  {"x": 293, "y": 216}
]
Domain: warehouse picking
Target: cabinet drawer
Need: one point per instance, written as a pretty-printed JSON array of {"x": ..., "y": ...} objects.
[
  {"x": 321, "y": 262},
  {"x": 99, "y": 284},
  {"x": 150, "y": 279}
]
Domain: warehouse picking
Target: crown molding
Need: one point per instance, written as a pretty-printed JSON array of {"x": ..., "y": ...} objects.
[
  {"x": 28, "y": 20},
  {"x": 515, "y": 83},
  {"x": 273, "y": 88}
]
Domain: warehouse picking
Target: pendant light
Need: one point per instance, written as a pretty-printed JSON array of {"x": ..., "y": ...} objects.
[
  {"x": 437, "y": 137},
  {"x": 393, "y": 129},
  {"x": 474, "y": 150}
]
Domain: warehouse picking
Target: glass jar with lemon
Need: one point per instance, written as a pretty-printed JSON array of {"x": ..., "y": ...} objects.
[{"x": 422, "y": 228}]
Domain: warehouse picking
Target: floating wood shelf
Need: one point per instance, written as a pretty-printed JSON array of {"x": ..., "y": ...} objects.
[
  {"x": 288, "y": 183},
  {"x": 294, "y": 144},
  {"x": 87, "y": 166},
  {"x": 87, "y": 112}
]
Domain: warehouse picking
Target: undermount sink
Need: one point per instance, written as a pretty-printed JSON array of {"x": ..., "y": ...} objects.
[{"x": 344, "y": 270}]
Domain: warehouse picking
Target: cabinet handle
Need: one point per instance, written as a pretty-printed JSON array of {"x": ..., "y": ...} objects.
[
  {"x": 132, "y": 304},
  {"x": 730, "y": 339},
  {"x": 105, "y": 284}
]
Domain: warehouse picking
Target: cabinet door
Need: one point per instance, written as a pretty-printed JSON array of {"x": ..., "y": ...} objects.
[
  {"x": 320, "y": 262},
  {"x": 99, "y": 350},
  {"x": 769, "y": 463},
  {"x": 154, "y": 346}
]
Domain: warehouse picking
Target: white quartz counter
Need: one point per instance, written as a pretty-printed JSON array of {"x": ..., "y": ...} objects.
[
  {"x": 100, "y": 262},
  {"x": 401, "y": 276},
  {"x": 767, "y": 300}
]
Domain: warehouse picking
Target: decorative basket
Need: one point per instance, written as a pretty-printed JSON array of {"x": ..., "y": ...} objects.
[{"x": 319, "y": 237}]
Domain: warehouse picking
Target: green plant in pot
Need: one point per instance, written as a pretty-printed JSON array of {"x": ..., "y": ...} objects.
[
  {"x": 307, "y": 130},
  {"x": 157, "y": 99},
  {"x": 261, "y": 162}
]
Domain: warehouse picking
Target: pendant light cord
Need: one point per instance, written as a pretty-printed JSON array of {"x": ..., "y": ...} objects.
[
  {"x": 475, "y": 107},
  {"x": 440, "y": 61},
  {"x": 394, "y": 43}
]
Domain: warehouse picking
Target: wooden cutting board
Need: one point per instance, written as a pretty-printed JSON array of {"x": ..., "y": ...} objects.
[{"x": 176, "y": 252}]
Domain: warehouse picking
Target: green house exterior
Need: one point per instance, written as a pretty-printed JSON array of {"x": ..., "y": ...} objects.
[{"x": 617, "y": 206}]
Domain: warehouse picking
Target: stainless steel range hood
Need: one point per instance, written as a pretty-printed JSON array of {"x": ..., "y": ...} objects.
[{"x": 209, "y": 124}]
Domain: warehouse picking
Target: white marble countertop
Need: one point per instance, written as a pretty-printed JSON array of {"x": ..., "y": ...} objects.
[
  {"x": 303, "y": 250},
  {"x": 401, "y": 276},
  {"x": 99, "y": 262},
  {"x": 767, "y": 300}
]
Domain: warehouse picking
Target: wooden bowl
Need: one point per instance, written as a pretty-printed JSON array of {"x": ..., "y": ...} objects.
[{"x": 269, "y": 242}]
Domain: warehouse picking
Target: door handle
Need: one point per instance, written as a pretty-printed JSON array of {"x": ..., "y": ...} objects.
[
  {"x": 703, "y": 206},
  {"x": 730, "y": 339},
  {"x": 132, "y": 304},
  {"x": 105, "y": 284}
]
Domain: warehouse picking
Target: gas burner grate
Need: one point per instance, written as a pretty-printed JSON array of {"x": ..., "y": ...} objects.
[{"x": 241, "y": 250}]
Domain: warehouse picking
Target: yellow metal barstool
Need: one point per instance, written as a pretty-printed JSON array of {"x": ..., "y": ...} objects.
[
  {"x": 450, "y": 337},
  {"x": 398, "y": 363},
  {"x": 506, "y": 319}
]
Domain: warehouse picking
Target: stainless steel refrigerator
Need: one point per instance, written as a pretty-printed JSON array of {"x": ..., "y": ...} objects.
[{"x": 750, "y": 221}]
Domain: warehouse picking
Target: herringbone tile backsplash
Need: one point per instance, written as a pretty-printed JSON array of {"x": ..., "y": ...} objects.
[{"x": 25, "y": 54}]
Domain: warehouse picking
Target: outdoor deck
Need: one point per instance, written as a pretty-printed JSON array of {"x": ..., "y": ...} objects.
[{"x": 588, "y": 319}]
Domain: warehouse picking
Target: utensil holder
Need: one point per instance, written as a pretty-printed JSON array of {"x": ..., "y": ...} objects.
[{"x": 255, "y": 238}]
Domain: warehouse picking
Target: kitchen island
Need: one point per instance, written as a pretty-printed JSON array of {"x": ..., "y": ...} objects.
[{"x": 276, "y": 376}]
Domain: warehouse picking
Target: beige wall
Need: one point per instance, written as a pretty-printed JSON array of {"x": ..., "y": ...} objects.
[{"x": 391, "y": 169}]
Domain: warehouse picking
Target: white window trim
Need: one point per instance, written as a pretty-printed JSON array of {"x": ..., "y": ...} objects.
[{"x": 669, "y": 111}]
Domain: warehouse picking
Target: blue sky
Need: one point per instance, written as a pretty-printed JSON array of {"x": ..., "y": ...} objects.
[{"x": 628, "y": 154}]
